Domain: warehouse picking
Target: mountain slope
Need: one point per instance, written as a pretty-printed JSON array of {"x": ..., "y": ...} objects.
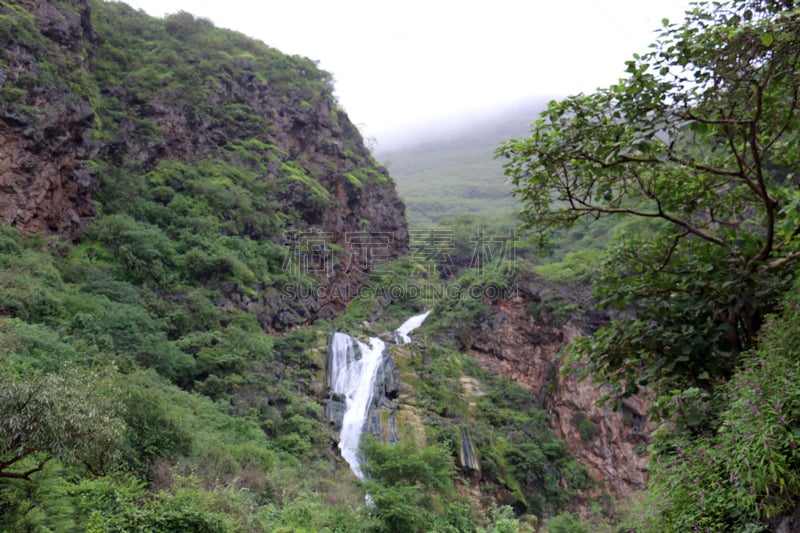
[
  {"x": 164, "y": 188},
  {"x": 451, "y": 170},
  {"x": 176, "y": 116},
  {"x": 187, "y": 217}
]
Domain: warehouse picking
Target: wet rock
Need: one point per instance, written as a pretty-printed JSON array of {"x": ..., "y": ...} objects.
[
  {"x": 387, "y": 382},
  {"x": 334, "y": 412},
  {"x": 467, "y": 457}
]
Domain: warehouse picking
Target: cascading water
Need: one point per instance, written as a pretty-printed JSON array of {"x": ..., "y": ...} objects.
[
  {"x": 401, "y": 333},
  {"x": 354, "y": 379},
  {"x": 353, "y": 367}
]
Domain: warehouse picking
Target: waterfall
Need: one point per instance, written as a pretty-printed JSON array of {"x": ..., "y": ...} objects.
[
  {"x": 401, "y": 333},
  {"x": 353, "y": 367},
  {"x": 354, "y": 378}
]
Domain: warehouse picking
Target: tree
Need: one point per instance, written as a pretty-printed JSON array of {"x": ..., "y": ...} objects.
[
  {"x": 62, "y": 416},
  {"x": 699, "y": 139},
  {"x": 404, "y": 484}
]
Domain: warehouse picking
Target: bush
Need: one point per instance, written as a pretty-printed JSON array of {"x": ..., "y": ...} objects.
[
  {"x": 566, "y": 523},
  {"x": 153, "y": 433},
  {"x": 745, "y": 472},
  {"x": 49, "y": 416},
  {"x": 144, "y": 253},
  {"x": 133, "y": 335},
  {"x": 587, "y": 429},
  {"x": 31, "y": 287},
  {"x": 405, "y": 484}
]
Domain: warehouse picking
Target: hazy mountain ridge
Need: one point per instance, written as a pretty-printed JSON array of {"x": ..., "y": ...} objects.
[{"x": 450, "y": 168}]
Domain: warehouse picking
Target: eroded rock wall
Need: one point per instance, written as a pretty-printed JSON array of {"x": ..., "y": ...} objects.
[
  {"x": 46, "y": 181},
  {"x": 525, "y": 346}
]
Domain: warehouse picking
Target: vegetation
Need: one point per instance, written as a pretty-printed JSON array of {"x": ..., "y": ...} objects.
[
  {"x": 709, "y": 113},
  {"x": 746, "y": 471},
  {"x": 158, "y": 374},
  {"x": 55, "y": 416},
  {"x": 144, "y": 385},
  {"x": 186, "y": 417},
  {"x": 407, "y": 485}
]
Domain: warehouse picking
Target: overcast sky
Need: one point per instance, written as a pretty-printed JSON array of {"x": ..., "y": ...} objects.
[{"x": 401, "y": 64}]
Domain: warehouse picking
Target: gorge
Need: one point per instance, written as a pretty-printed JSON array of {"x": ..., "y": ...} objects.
[{"x": 168, "y": 192}]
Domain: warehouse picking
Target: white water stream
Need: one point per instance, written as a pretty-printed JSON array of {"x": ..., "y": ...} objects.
[
  {"x": 355, "y": 380},
  {"x": 353, "y": 367},
  {"x": 401, "y": 333}
]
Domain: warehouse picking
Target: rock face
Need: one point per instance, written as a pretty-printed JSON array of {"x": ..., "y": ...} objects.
[
  {"x": 46, "y": 183},
  {"x": 524, "y": 347},
  {"x": 467, "y": 458},
  {"x": 79, "y": 111}
]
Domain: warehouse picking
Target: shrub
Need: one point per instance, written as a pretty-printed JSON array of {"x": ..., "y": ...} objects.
[
  {"x": 153, "y": 433},
  {"x": 405, "y": 483},
  {"x": 566, "y": 523},
  {"x": 144, "y": 253},
  {"x": 587, "y": 429},
  {"x": 746, "y": 471}
]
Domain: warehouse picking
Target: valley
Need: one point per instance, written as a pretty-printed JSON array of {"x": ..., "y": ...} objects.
[{"x": 220, "y": 311}]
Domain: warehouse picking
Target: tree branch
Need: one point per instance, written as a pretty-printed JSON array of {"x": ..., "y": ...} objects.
[
  {"x": 26, "y": 475},
  {"x": 780, "y": 261},
  {"x": 706, "y": 236},
  {"x": 767, "y": 201},
  {"x": 671, "y": 251},
  {"x": 716, "y": 121},
  {"x": 6, "y": 464}
]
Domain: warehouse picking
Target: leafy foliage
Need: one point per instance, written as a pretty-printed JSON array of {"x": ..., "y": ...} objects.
[
  {"x": 709, "y": 113},
  {"x": 746, "y": 471},
  {"x": 64, "y": 416},
  {"x": 566, "y": 523},
  {"x": 405, "y": 484}
]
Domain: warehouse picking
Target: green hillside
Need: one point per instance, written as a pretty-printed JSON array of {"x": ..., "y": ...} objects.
[{"x": 455, "y": 172}]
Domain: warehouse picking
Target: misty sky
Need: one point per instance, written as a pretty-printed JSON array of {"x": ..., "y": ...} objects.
[{"x": 401, "y": 64}]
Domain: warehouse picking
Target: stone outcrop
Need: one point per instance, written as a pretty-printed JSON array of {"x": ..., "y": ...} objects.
[
  {"x": 523, "y": 344},
  {"x": 46, "y": 181},
  {"x": 467, "y": 457}
]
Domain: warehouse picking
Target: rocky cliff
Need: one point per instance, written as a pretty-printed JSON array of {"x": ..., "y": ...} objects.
[
  {"x": 46, "y": 183},
  {"x": 522, "y": 341},
  {"x": 95, "y": 97}
]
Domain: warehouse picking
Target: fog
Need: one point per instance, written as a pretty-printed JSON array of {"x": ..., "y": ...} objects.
[
  {"x": 498, "y": 121},
  {"x": 404, "y": 70}
]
